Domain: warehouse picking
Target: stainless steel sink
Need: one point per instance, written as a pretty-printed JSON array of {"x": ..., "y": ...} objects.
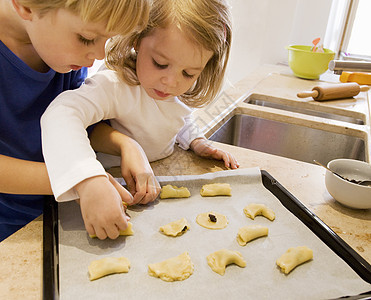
[
  {"x": 288, "y": 140},
  {"x": 305, "y": 108}
]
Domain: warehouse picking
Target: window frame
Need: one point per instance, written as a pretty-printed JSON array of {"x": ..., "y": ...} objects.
[{"x": 347, "y": 26}]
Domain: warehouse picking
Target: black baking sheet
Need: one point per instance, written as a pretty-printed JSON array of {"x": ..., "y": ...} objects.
[{"x": 329, "y": 237}]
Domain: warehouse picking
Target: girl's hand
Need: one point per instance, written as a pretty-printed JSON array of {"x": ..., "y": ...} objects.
[
  {"x": 101, "y": 206},
  {"x": 204, "y": 148},
  {"x": 138, "y": 174},
  {"x": 135, "y": 168}
]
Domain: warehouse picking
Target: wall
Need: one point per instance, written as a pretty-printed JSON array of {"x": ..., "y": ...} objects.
[{"x": 262, "y": 29}]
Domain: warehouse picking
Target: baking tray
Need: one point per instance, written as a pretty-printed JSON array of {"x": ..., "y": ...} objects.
[{"x": 291, "y": 203}]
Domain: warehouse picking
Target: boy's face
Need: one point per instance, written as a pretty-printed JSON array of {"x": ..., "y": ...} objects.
[
  {"x": 64, "y": 42},
  {"x": 168, "y": 63}
]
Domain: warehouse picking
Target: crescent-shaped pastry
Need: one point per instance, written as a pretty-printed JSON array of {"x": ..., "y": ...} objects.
[
  {"x": 220, "y": 259},
  {"x": 249, "y": 233},
  {"x": 252, "y": 210},
  {"x": 216, "y": 189},
  {"x": 172, "y": 191},
  {"x": 175, "y": 228},
  {"x": 294, "y": 257},
  {"x": 108, "y": 265}
]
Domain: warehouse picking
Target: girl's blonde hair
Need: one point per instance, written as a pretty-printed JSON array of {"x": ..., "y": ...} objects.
[
  {"x": 206, "y": 22},
  {"x": 121, "y": 16}
]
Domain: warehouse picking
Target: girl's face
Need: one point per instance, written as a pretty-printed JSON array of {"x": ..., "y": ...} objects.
[
  {"x": 64, "y": 42},
  {"x": 168, "y": 62}
]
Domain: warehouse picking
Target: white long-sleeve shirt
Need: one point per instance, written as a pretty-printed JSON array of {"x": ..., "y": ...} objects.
[{"x": 155, "y": 124}]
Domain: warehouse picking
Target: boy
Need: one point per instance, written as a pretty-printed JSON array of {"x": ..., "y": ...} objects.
[{"x": 45, "y": 47}]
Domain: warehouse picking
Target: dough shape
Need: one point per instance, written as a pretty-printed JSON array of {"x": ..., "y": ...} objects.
[
  {"x": 127, "y": 231},
  {"x": 252, "y": 210},
  {"x": 216, "y": 189},
  {"x": 205, "y": 221},
  {"x": 172, "y": 191},
  {"x": 172, "y": 269},
  {"x": 294, "y": 257},
  {"x": 175, "y": 228},
  {"x": 249, "y": 233},
  {"x": 220, "y": 259},
  {"x": 108, "y": 265}
]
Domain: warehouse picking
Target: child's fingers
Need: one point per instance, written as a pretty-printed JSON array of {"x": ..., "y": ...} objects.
[
  {"x": 229, "y": 160},
  {"x": 124, "y": 194},
  {"x": 151, "y": 195},
  {"x": 232, "y": 162},
  {"x": 122, "y": 224},
  {"x": 154, "y": 188},
  {"x": 113, "y": 232},
  {"x": 130, "y": 184},
  {"x": 141, "y": 190},
  {"x": 90, "y": 229},
  {"x": 235, "y": 164},
  {"x": 100, "y": 233},
  {"x": 148, "y": 189}
]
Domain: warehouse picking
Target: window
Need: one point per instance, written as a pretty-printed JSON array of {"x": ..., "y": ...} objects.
[
  {"x": 357, "y": 38},
  {"x": 348, "y": 32}
]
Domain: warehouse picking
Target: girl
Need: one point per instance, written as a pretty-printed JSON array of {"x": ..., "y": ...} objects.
[
  {"x": 177, "y": 61},
  {"x": 40, "y": 43}
]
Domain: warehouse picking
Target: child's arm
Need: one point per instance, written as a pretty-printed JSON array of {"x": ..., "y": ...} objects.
[
  {"x": 190, "y": 136},
  {"x": 135, "y": 167},
  {"x": 18, "y": 176},
  {"x": 204, "y": 148}
]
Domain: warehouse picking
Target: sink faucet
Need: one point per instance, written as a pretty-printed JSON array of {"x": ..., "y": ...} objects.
[{"x": 338, "y": 66}]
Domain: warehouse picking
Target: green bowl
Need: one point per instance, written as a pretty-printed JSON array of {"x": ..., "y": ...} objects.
[{"x": 308, "y": 64}]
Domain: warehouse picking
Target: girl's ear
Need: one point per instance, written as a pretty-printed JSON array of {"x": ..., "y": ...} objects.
[
  {"x": 23, "y": 11},
  {"x": 135, "y": 44}
]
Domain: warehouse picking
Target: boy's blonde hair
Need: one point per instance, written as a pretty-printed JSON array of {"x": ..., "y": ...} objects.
[
  {"x": 206, "y": 22},
  {"x": 121, "y": 16}
]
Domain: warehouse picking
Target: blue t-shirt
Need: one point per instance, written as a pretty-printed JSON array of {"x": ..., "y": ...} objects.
[{"x": 24, "y": 96}]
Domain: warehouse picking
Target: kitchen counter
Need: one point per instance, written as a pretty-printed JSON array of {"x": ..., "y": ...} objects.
[{"x": 21, "y": 253}]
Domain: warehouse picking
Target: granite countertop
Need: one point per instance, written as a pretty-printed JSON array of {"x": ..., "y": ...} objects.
[{"x": 21, "y": 253}]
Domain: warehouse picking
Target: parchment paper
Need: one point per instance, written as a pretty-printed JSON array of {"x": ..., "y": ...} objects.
[{"x": 326, "y": 276}]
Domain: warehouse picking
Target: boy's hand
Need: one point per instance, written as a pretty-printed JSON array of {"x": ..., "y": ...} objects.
[
  {"x": 138, "y": 174},
  {"x": 101, "y": 206},
  {"x": 204, "y": 148}
]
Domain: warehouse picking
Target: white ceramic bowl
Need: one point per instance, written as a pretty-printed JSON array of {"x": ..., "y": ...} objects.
[{"x": 345, "y": 192}]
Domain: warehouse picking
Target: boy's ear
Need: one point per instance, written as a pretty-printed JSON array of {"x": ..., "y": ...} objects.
[{"x": 23, "y": 11}]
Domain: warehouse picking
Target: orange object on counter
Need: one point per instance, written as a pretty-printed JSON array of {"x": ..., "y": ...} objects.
[{"x": 359, "y": 77}]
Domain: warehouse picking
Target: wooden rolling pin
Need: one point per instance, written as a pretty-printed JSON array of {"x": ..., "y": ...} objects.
[{"x": 334, "y": 91}]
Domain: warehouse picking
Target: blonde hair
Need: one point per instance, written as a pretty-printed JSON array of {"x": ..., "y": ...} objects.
[
  {"x": 121, "y": 16},
  {"x": 206, "y": 22}
]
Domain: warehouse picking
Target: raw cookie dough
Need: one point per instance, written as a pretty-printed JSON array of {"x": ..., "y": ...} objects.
[
  {"x": 216, "y": 189},
  {"x": 294, "y": 257},
  {"x": 127, "y": 231},
  {"x": 108, "y": 265},
  {"x": 172, "y": 191},
  {"x": 249, "y": 233},
  {"x": 252, "y": 210},
  {"x": 175, "y": 228},
  {"x": 212, "y": 220},
  {"x": 220, "y": 259},
  {"x": 172, "y": 269}
]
